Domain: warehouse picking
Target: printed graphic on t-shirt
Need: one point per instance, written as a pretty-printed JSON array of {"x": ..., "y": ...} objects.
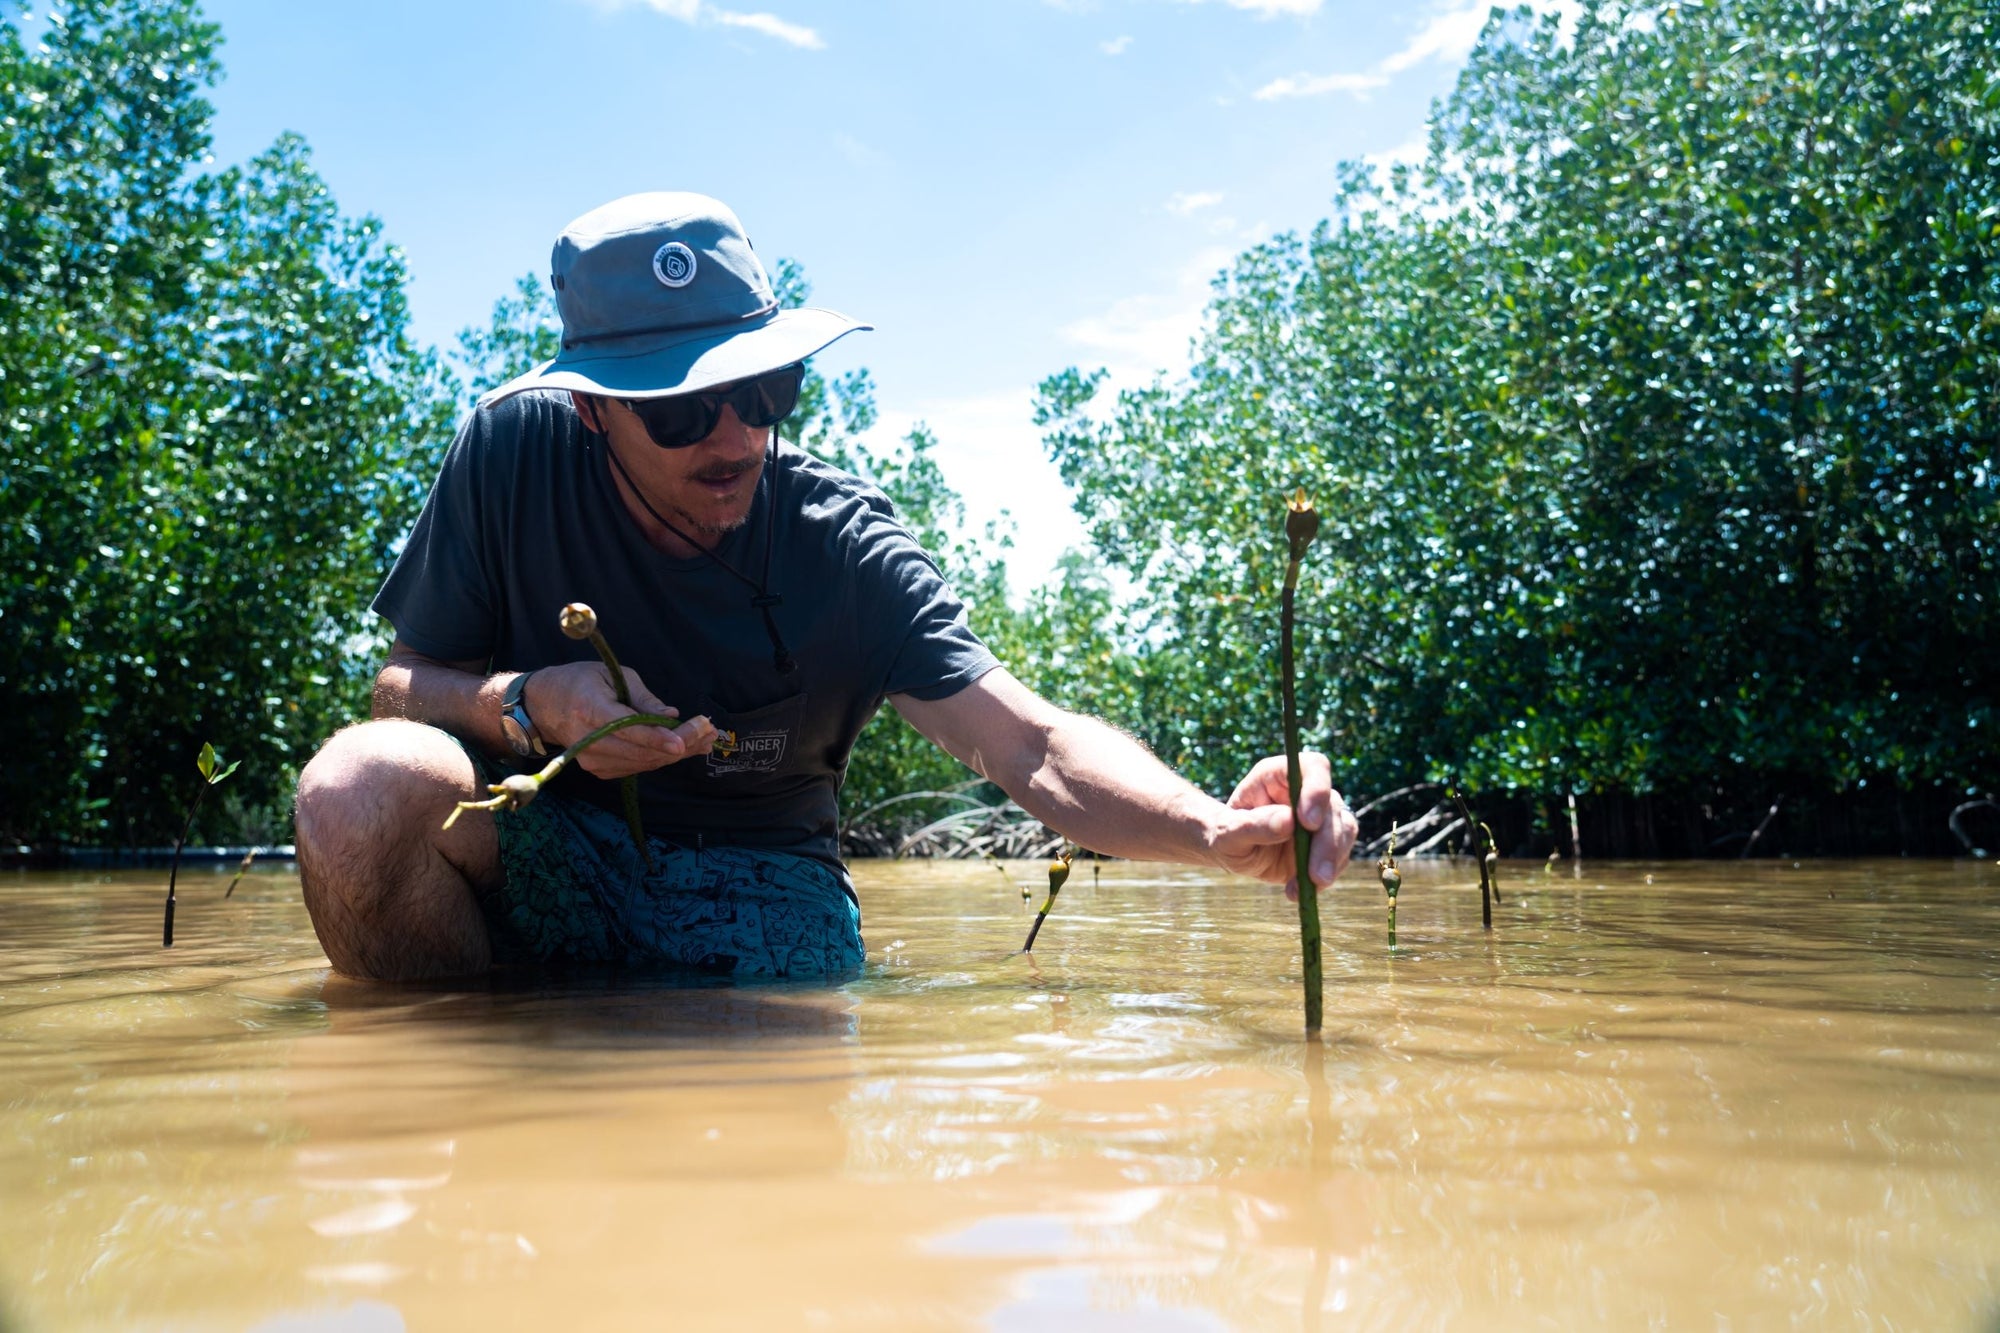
[
  {"x": 748, "y": 751},
  {"x": 758, "y": 741}
]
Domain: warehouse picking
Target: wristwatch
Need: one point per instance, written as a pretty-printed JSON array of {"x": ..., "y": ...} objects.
[{"x": 515, "y": 722}]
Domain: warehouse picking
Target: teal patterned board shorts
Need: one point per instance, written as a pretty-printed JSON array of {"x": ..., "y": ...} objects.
[{"x": 577, "y": 893}]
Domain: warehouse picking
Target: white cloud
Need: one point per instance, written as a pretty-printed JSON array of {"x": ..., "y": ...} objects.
[
  {"x": 1265, "y": 9},
  {"x": 989, "y": 447},
  {"x": 698, "y": 11},
  {"x": 1409, "y": 153},
  {"x": 865, "y": 156},
  {"x": 1311, "y": 85},
  {"x": 991, "y": 453},
  {"x": 1116, "y": 46},
  {"x": 1142, "y": 335},
  {"x": 1138, "y": 334},
  {"x": 1184, "y": 203},
  {"x": 771, "y": 26},
  {"x": 1449, "y": 36}
]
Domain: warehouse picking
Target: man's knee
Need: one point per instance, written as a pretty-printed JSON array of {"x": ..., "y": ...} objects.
[
  {"x": 371, "y": 808},
  {"x": 376, "y": 780},
  {"x": 378, "y": 870}
]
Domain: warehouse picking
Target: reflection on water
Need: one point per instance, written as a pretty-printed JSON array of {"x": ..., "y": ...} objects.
[{"x": 1733, "y": 1095}]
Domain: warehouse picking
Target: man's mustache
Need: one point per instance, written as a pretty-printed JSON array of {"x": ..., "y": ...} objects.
[{"x": 728, "y": 471}]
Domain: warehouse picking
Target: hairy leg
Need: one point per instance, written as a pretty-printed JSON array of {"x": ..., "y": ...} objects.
[{"x": 391, "y": 892}]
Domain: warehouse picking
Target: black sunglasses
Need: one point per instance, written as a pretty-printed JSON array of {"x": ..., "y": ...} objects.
[{"x": 689, "y": 418}]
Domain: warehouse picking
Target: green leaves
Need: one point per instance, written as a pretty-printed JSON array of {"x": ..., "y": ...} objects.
[
  {"x": 207, "y": 762},
  {"x": 1664, "y": 403},
  {"x": 213, "y": 429}
]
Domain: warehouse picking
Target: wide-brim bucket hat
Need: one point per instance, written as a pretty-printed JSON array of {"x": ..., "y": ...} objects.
[{"x": 661, "y": 294}]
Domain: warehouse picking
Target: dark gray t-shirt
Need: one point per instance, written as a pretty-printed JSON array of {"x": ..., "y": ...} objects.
[{"x": 524, "y": 517}]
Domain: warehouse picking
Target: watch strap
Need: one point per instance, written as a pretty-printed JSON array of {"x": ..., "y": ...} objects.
[{"x": 514, "y": 709}]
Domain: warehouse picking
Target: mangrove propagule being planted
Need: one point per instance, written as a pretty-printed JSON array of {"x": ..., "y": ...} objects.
[
  {"x": 1301, "y": 526},
  {"x": 1058, "y": 873},
  {"x": 213, "y": 771}
]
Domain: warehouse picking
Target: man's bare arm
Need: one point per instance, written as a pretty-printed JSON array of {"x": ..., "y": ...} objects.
[
  {"x": 1089, "y": 782},
  {"x": 458, "y": 697},
  {"x": 566, "y": 701},
  {"x": 1105, "y": 791}
]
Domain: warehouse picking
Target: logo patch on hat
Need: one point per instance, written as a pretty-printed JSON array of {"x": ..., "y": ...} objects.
[{"x": 673, "y": 264}]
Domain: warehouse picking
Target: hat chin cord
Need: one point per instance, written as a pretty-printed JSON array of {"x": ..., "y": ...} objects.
[{"x": 763, "y": 599}]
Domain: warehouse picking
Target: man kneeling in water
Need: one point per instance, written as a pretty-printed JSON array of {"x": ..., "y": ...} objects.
[{"x": 773, "y": 599}]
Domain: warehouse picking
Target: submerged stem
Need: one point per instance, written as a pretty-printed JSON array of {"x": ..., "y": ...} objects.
[
  {"x": 174, "y": 868},
  {"x": 212, "y": 770}
]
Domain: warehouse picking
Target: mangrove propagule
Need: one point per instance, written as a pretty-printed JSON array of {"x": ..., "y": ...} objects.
[
  {"x": 1392, "y": 880},
  {"x": 1058, "y": 873},
  {"x": 578, "y": 621},
  {"x": 1489, "y": 858},
  {"x": 242, "y": 869},
  {"x": 1301, "y": 526},
  {"x": 518, "y": 789}
]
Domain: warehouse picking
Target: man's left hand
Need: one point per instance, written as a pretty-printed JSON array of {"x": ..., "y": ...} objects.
[{"x": 1257, "y": 839}]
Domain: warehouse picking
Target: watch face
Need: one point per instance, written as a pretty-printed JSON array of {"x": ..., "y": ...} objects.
[{"x": 517, "y": 735}]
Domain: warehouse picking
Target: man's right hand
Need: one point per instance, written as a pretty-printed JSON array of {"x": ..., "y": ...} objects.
[{"x": 570, "y": 701}]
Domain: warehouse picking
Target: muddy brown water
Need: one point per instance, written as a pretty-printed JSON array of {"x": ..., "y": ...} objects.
[{"x": 1679, "y": 1096}]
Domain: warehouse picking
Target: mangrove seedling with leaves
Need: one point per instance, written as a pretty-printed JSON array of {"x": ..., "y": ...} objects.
[{"x": 213, "y": 771}]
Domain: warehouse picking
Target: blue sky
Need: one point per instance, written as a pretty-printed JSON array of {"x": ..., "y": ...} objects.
[{"x": 1003, "y": 187}]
